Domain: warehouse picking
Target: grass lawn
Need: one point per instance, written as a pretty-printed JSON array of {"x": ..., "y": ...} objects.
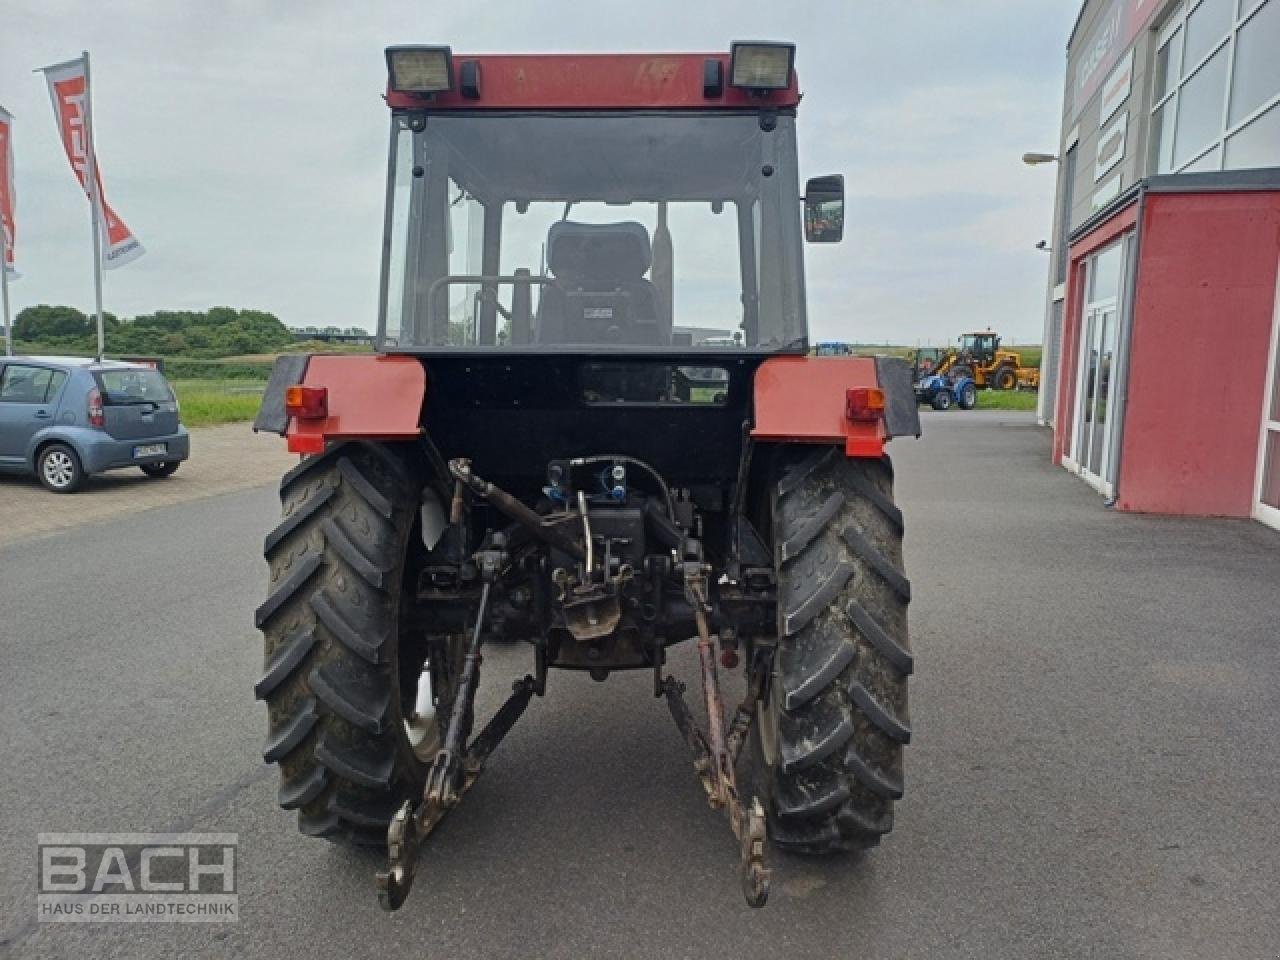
[
  {"x": 206, "y": 402},
  {"x": 1006, "y": 400}
]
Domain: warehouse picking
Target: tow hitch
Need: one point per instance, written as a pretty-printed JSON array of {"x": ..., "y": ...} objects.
[
  {"x": 456, "y": 766},
  {"x": 715, "y": 754}
]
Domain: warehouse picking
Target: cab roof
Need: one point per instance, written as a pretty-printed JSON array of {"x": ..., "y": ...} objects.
[{"x": 595, "y": 81}]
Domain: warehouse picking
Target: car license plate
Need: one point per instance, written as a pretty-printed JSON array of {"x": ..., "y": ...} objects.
[{"x": 151, "y": 450}]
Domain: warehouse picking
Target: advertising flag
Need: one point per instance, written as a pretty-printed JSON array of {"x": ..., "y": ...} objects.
[
  {"x": 69, "y": 91},
  {"x": 7, "y": 197}
]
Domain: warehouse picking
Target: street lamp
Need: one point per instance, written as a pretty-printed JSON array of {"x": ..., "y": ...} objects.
[
  {"x": 1031, "y": 159},
  {"x": 1044, "y": 247}
]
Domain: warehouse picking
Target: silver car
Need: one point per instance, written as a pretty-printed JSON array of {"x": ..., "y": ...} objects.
[{"x": 64, "y": 418}]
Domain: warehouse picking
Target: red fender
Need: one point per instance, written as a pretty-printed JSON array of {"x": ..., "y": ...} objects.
[
  {"x": 374, "y": 398},
  {"x": 803, "y": 400}
]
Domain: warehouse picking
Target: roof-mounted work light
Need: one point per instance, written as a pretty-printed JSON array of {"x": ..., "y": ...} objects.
[
  {"x": 761, "y": 66},
  {"x": 422, "y": 70}
]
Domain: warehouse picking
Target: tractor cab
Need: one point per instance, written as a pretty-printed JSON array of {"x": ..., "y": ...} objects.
[
  {"x": 980, "y": 348},
  {"x": 513, "y": 227}
]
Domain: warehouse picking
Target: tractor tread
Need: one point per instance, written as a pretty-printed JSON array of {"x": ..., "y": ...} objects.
[
  {"x": 877, "y": 781},
  {"x": 300, "y": 515},
  {"x": 812, "y": 798},
  {"x": 288, "y": 587},
  {"x": 329, "y": 626},
  {"x": 359, "y": 811},
  {"x": 806, "y": 672},
  {"x": 306, "y": 466},
  {"x": 810, "y": 527},
  {"x": 843, "y": 658},
  {"x": 360, "y": 483},
  {"x": 303, "y": 789},
  {"x": 347, "y": 548},
  {"x": 878, "y": 562},
  {"x": 799, "y": 472},
  {"x": 286, "y": 659},
  {"x": 878, "y": 714},
  {"x": 814, "y": 736},
  {"x": 874, "y": 495},
  {"x": 800, "y": 610},
  {"x": 362, "y": 767},
  {"x": 368, "y": 711},
  {"x": 326, "y": 825},
  {"x": 282, "y": 740},
  {"x": 878, "y": 637},
  {"x": 332, "y": 619}
]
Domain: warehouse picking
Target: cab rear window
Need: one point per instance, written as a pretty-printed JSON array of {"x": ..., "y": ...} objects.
[{"x": 133, "y": 386}]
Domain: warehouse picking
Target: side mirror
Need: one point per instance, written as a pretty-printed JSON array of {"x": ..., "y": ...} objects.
[{"x": 824, "y": 209}]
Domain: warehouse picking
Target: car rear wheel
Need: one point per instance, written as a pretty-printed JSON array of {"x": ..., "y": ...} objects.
[
  {"x": 160, "y": 470},
  {"x": 59, "y": 468}
]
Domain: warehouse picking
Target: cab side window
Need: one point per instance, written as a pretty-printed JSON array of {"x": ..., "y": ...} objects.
[{"x": 23, "y": 384}]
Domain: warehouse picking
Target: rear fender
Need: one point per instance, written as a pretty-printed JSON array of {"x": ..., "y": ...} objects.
[
  {"x": 369, "y": 398},
  {"x": 802, "y": 400}
]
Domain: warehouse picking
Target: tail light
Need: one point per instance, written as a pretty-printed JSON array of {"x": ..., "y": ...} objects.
[
  {"x": 306, "y": 403},
  {"x": 864, "y": 404},
  {"x": 96, "y": 417}
]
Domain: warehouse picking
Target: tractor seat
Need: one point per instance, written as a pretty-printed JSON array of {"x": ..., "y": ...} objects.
[{"x": 599, "y": 293}]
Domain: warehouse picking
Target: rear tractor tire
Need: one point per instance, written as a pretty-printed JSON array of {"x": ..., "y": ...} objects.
[
  {"x": 829, "y": 740},
  {"x": 334, "y": 647},
  {"x": 1006, "y": 378}
]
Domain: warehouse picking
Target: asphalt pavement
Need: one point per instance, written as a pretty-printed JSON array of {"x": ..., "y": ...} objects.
[{"x": 1094, "y": 771}]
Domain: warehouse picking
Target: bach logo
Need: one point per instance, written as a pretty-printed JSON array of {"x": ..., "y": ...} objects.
[{"x": 137, "y": 878}]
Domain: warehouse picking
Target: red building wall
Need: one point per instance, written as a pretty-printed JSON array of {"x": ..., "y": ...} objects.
[{"x": 1202, "y": 320}]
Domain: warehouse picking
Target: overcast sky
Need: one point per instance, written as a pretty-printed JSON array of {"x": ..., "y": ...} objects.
[{"x": 245, "y": 144}]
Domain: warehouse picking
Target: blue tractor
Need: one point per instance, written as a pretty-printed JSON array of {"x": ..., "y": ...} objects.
[{"x": 938, "y": 390}]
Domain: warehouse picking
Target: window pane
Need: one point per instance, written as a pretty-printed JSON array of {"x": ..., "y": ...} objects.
[
  {"x": 1207, "y": 24},
  {"x": 1271, "y": 472},
  {"x": 1162, "y": 138},
  {"x": 1257, "y": 145},
  {"x": 1166, "y": 74},
  {"x": 23, "y": 384},
  {"x": 55, "y": 384},
  {"x": 397, "y": 241},
  {"x": 133, "y": 385},
  {"x": 1200, "y": 108},
  {"x": 1210, "y": 161},
  {"x": 1104, "y": 274},
  {"x": 1275, "y": 388},
  {"x": 1257, "y": 65}
]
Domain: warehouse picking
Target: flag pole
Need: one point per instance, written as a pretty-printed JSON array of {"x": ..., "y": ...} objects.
[
  {"x": 4, "y": 290},
  {"x": 92, "y": 175}
]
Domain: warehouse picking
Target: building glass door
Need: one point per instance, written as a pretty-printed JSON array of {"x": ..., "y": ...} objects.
[
  {"x": 1092, "y": 436},
  {"x": 1267, "y": 502}
]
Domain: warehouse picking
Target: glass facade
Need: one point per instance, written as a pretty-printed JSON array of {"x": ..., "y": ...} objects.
[{"x": 1216, "y": 88}]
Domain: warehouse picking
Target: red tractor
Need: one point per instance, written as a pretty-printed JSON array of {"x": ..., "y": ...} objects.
[{"x": 557, "y": 444}]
